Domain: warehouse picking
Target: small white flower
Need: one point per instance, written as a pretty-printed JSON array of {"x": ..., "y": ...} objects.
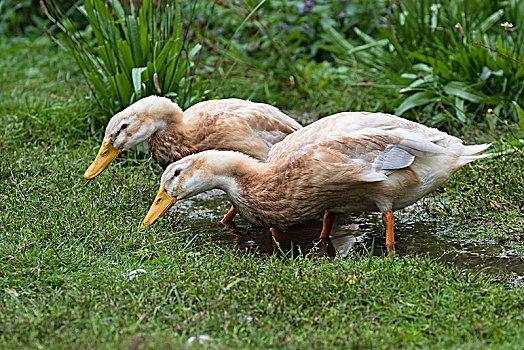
[
  {"x": 434, "y": 8},
  {"x": 201, "y": 339},
  {"x": 490, "y": 111},
  {"x": 507, "y": 25},
  {"x": 134, "y": 274}
]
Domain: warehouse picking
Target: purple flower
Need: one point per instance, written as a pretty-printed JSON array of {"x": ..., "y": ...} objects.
[
  {"x": 309, "y": 9},
  {"x": 341, "y": 15},
  {"x": 183, "y": 53},
  {"x": 283, "y": 26},
  {"x": 196, "y": 55},
  {"x": 220, "y": 30},
  {"x": 185, "y": 21},
  {"x": 379, "y": 24},
  {"x": 309, "y": 3},
  {"x": 301, "y": 8}
]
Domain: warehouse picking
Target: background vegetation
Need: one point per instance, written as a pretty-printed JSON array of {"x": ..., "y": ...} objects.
[
  {"x": 72, "y": 261},
  {"x": 450, "y": 63}
]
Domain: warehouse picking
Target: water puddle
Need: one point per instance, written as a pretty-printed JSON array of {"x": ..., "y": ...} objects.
[{"x": 414, "y": 235}]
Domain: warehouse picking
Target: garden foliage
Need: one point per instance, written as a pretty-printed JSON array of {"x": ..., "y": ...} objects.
[
  {"x": 128, "y": 52},
  {"x": 455, "y": 59},
  {"x": 449, "y": 63}
]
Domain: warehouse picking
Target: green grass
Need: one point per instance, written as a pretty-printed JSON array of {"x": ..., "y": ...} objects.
[
  {"x": 490, "y": 196},
  {"x": 68, "y": 246}
]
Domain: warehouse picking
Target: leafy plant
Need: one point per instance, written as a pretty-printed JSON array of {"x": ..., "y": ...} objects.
[
  {"x": 127, "y": 53},
  {"x": 282, "y": 48},
  {"x": 453, "y": 58}
]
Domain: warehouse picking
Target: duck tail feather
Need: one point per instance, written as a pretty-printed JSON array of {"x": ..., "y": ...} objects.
[
  {"x": 463, "y": 160},
  {"x": 475, "y": 149}
]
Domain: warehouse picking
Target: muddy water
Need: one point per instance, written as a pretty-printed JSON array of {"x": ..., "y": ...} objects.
[{"x": 414, "y": 235}]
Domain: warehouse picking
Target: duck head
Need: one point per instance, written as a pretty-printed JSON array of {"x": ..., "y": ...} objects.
[
  {"x": 195, "y": 174},
  {"x": 132, "y": 126}
]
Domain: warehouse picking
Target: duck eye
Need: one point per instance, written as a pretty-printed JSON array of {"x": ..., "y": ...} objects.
[
  {"x": 177, "y": 172},
  {"x": 123, "y": 126}
]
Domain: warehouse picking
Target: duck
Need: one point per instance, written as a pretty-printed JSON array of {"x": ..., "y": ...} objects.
[
  {"x": 226, "y": 124},
  {"x": 347, "y": 162}
]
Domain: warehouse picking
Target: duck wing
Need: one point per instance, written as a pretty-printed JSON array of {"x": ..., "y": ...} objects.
[
  {"x": 370, "y": 130},
  {"x": 266, "y": 122},
  {"x": 361, "y": 147}
]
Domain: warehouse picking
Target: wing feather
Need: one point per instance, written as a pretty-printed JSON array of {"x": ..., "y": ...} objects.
[
  {"x": 364, "y": 135},
  {"x": 266, "y": 122}
]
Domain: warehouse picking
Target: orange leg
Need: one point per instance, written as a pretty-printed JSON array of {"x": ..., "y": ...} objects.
[
  {"x": 388, "y": 220},
  {"x": 327, "y": 225},
  {"x": 229, "y": 216},
  {"x": 277, "y": 236},
  {"x": 278, "y": 240}
]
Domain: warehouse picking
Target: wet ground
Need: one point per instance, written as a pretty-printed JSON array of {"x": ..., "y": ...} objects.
[{"x": 415, "y": 234}]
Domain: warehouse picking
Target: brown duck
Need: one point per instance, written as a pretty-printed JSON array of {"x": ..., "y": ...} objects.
[
  {"x": 348, "y": 162},
  {"x": 229, "y": 124}
]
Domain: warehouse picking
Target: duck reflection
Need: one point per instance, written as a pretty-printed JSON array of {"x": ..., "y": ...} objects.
[
  {"x": 300, "y": 239},
  {"x": 435, "y": 237}
]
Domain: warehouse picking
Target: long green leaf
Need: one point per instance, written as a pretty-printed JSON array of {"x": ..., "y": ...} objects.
[
  {"x": 339, "y": 40},
  {"x": 119, "y": 10},
  {"x": 459, "y": 89},
  {"x": 177, "y": 30},
  {"x": 125, "y": 88},
  {"x": 459, "y": 109},
  {"x": 491, "y": 20},
  {"x": 161, "y": 58},
  {"x": 520, "y": 114},
  {"x": 133, "y": 38},
  {"x": 418, "y": 99},
  {"x": 376, "y": 44},
  {"x": 194, "y": 51},
  {"x": 126, "y": 56},
  {"x": 99, "y": 86},
  {"x": 136, "y": 74}
]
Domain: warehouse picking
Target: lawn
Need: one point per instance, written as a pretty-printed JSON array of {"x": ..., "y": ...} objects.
[{"x": 75, "y": 271}]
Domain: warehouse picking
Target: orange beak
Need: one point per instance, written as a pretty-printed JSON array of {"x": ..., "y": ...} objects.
[
  {"x": 159, "y": 207},
  {"x": 106, "y": 155}
]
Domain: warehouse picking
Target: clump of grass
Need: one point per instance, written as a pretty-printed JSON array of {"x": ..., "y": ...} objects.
[
  {"x": 77, "y": 271},
  {"x": 127, "y": 53}
]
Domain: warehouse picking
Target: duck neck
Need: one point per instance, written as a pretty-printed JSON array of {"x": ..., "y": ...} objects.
[
  {"x": 244, "y": 179},
  {"x": 172, "y": 119},
  {"x": 168, "y": 143},
  {"x": 233, "y": 171}
]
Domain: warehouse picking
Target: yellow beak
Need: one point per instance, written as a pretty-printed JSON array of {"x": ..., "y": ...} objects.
[
  {"x": 159, "y": 207},
  {"x": 105, "y": 156}
]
